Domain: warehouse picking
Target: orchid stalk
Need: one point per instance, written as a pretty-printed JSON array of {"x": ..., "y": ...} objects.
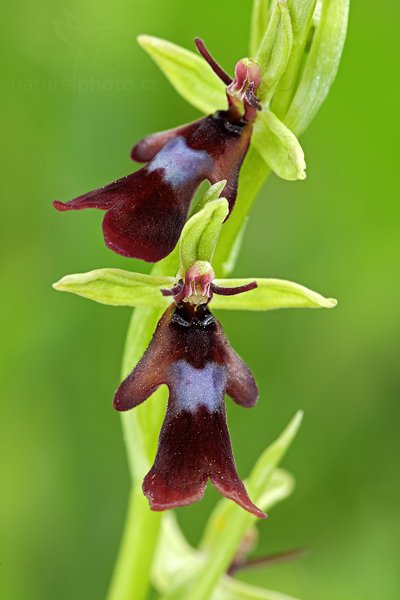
[{"x": 295, "y": 49}]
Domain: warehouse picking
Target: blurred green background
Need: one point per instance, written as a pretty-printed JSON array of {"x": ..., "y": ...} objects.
[{"x": 77, "y": 93}]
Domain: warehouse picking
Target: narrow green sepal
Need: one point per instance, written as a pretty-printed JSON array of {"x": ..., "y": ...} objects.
[
  {"x": 117, "y": 287},
  {"x": 269, "y": 294},
  {"x": 188, "y": 73}
]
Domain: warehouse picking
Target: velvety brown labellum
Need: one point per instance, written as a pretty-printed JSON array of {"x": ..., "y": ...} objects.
[
  {"x": 191, "y": 355},
  {"x": 146, "y": 211}
]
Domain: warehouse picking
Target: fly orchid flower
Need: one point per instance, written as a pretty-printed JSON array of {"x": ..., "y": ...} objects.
[
  {"x": 146, "y": 211},
  {"x": 191, "y": 355},
  {"x": 199, "y": 287}
]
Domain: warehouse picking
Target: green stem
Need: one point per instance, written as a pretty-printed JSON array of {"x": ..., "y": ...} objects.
[
  {"x": 132, "y": 574},
  {"x": 133, "y": 567},
  {"x": 252, "y": 176}
]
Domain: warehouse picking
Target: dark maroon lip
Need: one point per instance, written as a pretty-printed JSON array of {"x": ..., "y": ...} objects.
[
  {"x": 146, "y": 210},
  {"x": 191, "y": 355}
]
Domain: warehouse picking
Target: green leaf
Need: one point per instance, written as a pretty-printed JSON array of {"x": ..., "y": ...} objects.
[
  {"x": 266, "y": 486},
  {"x": 269, "y": 295},
  {"x": 200, "y": 235},
  {"x": 321, "y": 65},
  {"x": 279, "y": 147},
  {"x": 271, "y": 457},
  {"x": 177, "y": 561},
  {"x": 117, "y": 287},
  {"x": 235, "y": 524},
  {"x": 188, "y": 73},
  {"x": 175, "y": 558},
  {"x": 278, "y": 488},
  {"x": 259, "y": 22}
]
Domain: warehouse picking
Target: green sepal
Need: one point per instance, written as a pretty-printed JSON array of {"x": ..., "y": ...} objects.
[
  {"x": 188, "y": 73},
  {"x": 269, "y": 294},
  {"x": 117, "y": 287},
  {"x": 199, "y": 236},
  {"x": 278, "y": 147}
]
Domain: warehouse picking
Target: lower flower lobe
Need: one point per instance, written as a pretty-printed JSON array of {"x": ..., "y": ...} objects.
[{"x": 191, "y": 355}]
